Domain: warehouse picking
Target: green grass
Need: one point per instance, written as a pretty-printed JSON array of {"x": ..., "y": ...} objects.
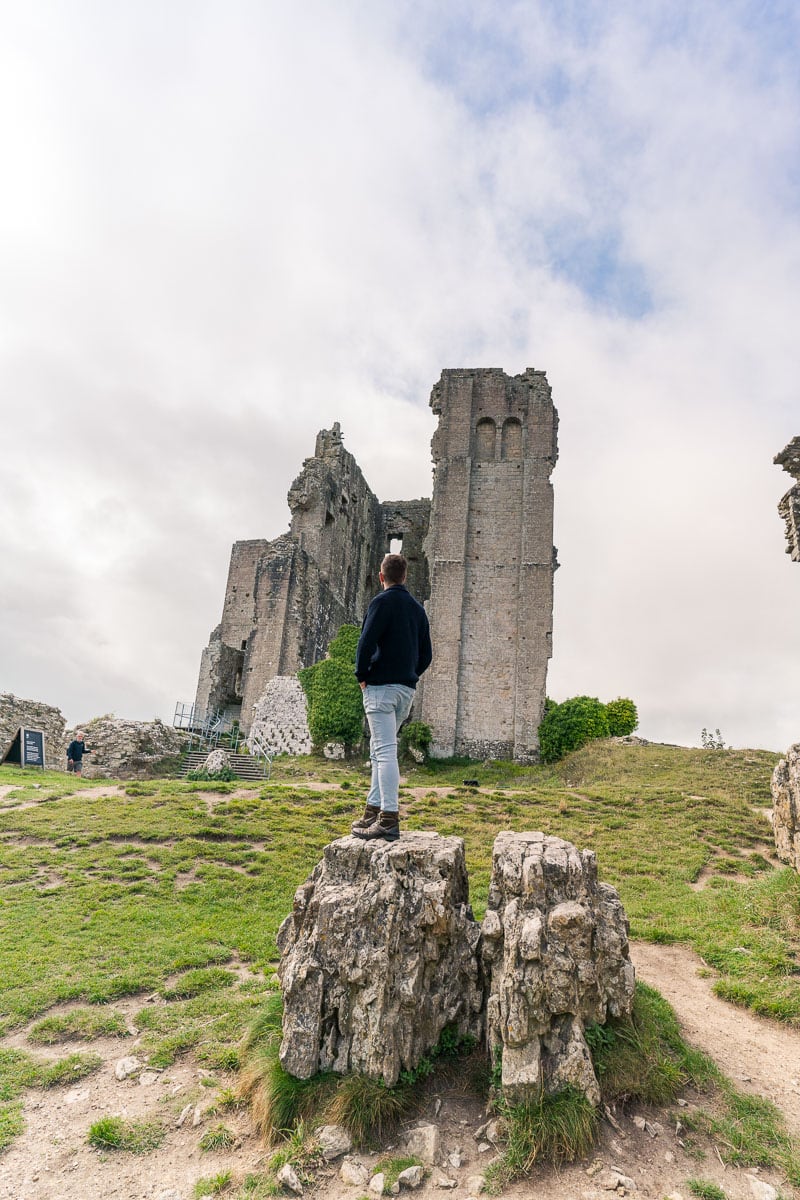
[
  {"x": 156, "y": 891},
  {"x": 79, "y": 1024},
  {"x": 213, "y": 1185},
  {"x": 218, "y": 1137},
  {"x": 390, "y": 1168},
  {"x": 706, "y": 1190},
  {"x": 115, "y": 1133}
]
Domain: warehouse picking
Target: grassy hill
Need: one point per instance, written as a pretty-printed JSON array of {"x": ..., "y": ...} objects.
[{"x": 168, "y": 886}]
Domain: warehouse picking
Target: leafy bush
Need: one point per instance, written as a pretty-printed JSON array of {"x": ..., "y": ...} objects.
[
  {"x": 416, "y": 735},
  {"x": 622, "y": 717},
  {"x": 570, "y": 725},
  {"x": 335, "y": 706},
  {"x": 223, "y": 775}
]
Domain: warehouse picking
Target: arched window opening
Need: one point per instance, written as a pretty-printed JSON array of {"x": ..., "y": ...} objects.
[
  {"x": 511, "y": 441},
  {"x": 485, "y": 437},
  {"x": 396, "y": 545}
]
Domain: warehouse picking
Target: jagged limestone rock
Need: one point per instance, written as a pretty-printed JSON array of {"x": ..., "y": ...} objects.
[
  {"x": 555, "y": 955},
  {"x": 378, "y": 956},
  {"x": 217, "y": 761},
  {"x": 786, "y": 807}
]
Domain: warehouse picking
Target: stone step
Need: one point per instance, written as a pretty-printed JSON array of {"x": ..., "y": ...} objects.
[{"x": 244, "y": 766}]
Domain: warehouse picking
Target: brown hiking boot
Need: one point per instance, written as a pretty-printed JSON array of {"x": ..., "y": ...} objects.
[
  {"x": 387, "y": 827},
  {"x": 371, "y": 814}
]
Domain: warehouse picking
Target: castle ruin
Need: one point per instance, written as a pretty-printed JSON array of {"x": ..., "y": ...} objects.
[
  {"x": 480, "y": 555},
  {"x": 789, "y": 507}
]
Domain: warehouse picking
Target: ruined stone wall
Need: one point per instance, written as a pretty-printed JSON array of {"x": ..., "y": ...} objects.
[
  {"x": 408, "y": 521},
  {"x": 789, "y": 507},
  {"x": 490, "y": 554},
  {"x": 286, "y": 598},
  {"x": 16, "y": 713}
]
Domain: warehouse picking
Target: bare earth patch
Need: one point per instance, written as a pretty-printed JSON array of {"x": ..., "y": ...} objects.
[{"x": 52, "y": 1160}]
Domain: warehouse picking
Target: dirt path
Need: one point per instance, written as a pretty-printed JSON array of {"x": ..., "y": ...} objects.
[{"x": 758, "y": 1055}]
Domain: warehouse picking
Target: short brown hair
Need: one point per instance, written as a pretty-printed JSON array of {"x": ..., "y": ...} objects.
[{"x": 394, "y": 568}]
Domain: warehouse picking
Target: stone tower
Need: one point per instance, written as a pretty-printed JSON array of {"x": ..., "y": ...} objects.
[{"x": 491, "y": 561}]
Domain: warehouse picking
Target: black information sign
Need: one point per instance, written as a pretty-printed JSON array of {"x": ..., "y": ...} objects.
[{"x": 32, "y": 748}]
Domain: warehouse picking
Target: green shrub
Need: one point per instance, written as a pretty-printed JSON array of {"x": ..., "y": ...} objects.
[
  {"x": 335, "y": 706},
  {"x": 570, "y": 725},
  {"x": 416, "y": 735},
  {"x": 622, "y": 717}
]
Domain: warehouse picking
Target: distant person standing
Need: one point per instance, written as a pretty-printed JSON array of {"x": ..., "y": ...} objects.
[
  {"x": 75, "y": 752},
  {"x": 393, "y": 651}
]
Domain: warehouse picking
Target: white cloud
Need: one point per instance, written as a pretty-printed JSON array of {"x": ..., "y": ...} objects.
[{"x": 224, "y": 227}]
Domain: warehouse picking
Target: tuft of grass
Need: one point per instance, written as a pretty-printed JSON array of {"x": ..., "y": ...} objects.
[
  {"x": 368, "y": 1109},
  {"x": 391, "y": 1168},
  {"x": 194, "y": 983},
  {"x": 12, "y": 1122},
  {"x": 706, "y": 1190},
  {"x": 80, "y": 1024},
  {"x": 218, "y": 1137},
  {"x": 69, "y": 1070},
  {"x": 750, "y": 1131},
  {"x": 555, "y": 1129},
  {"x": 115, "y": 1133},
  {"x": 644, "y": 1057},
  {"x": 212, "y": 1185}
]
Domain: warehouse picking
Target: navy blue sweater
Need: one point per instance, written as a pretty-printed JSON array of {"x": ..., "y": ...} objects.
[{"x": 395, "y": 642}]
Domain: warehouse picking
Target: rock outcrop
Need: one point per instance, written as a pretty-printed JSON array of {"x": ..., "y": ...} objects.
[
  {"x": 789, "y": 507},
  {"x": 32, "y": 714},
  {"x": 280, "y": 717},
  {"x": 786, "y": 807},
  {"x": 555, "y": 956},
  {"x": 378, "y": 956},
  {"x": 126, "y": 749}
]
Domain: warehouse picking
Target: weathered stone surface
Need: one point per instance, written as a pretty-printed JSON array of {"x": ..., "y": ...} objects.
[
  {"x": 555, "y": 954},
  {"x": 354, "y": 1173},
  {"x": 334, "y": 1141},
  {"x": 485, "y": 543},
  {"x": 786, "y": 807},
  {"x": 789, "y": 507},
  {"x": 287, "y": 1177},
  {"x": 16, "y": 714},
  {"x": 424, "y": 1142},
  {"x": 127, "y": 1066},
  {"x": 125, "y": 749},
  {"x": 411, "y": 1178},
  {"x": 286, "y": 598},
  {"x": 217, "y": 761},
  {"x": 280, "y": 716},
  {"x": 378, "y": 956},
  {"x": 490, "y": 551}
]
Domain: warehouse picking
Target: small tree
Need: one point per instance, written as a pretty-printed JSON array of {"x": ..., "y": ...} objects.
[
  {"x": 335, "y": 707},
  {"x": 622, "y": 717}
]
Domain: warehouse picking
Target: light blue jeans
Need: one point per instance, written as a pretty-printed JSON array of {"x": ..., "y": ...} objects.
[{"x": 386, "y": 706}]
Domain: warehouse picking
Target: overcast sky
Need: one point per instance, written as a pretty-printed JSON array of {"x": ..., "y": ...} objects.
[{"x": 225, "y": 225}]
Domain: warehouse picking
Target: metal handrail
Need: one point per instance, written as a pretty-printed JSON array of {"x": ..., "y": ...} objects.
[{"x": 261, "y": 749}]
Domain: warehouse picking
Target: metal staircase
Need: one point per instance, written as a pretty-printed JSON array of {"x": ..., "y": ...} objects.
[{"x": 211, "y": 730}]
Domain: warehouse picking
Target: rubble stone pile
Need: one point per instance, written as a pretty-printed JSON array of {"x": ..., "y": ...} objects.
[
  {"x": 555, "y": 954},
  {"x": 786, "y": 807},
  {"x": 280, "y": 717},
  {"x": 378, "y": 956},
  {"x": 125, "y": 749}
]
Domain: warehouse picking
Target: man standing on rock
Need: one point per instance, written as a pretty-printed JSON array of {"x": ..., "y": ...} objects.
[{"x": 393, "y": 651}]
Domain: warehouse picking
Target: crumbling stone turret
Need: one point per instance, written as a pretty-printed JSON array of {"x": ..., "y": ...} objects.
[{"x": 789, "y": 507}]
